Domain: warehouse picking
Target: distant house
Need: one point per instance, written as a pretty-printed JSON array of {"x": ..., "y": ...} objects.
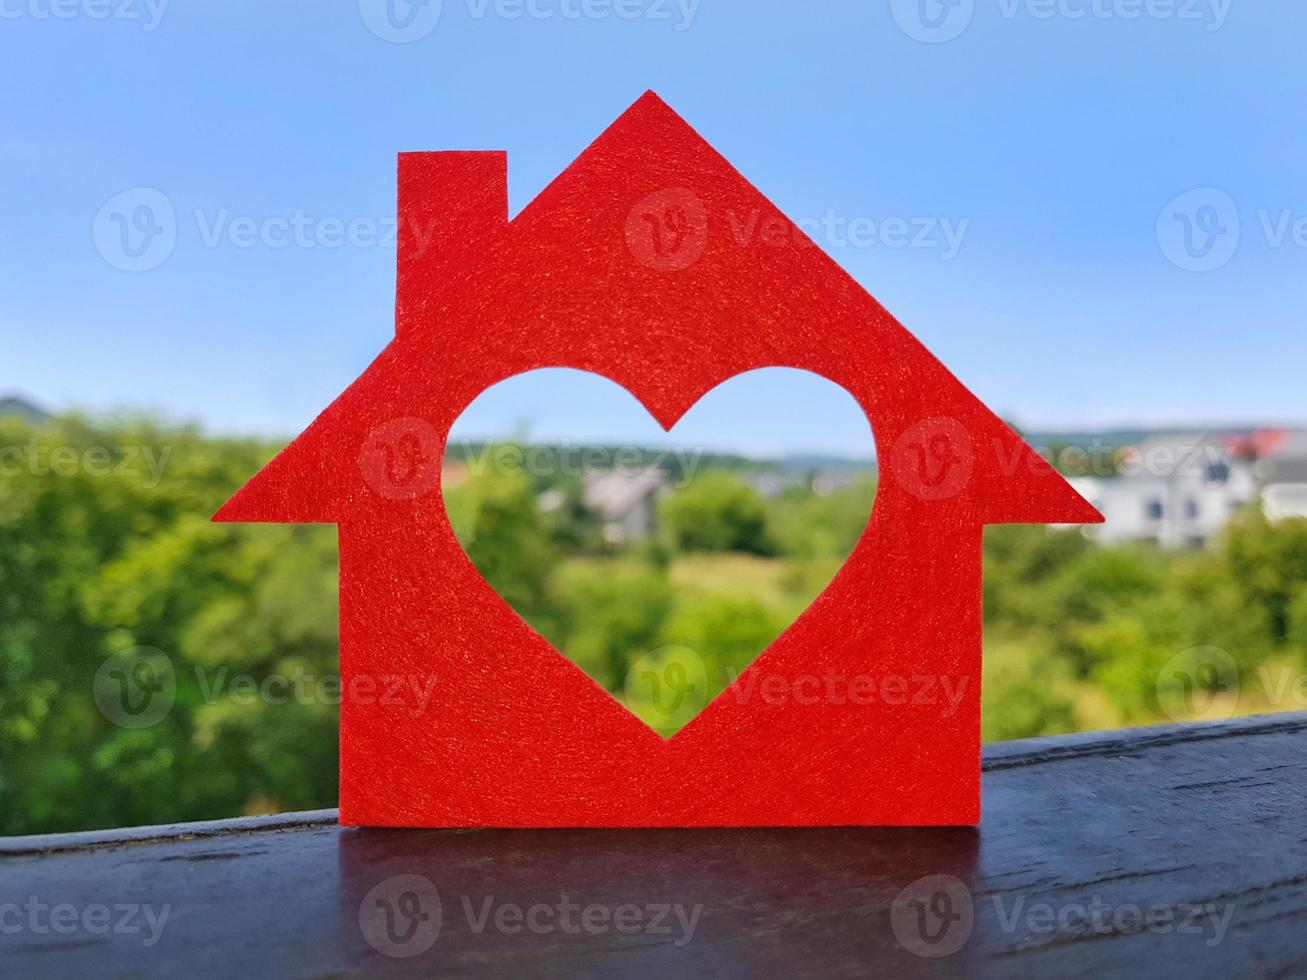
[
  {"x": 1179, "y": 490},
  {"x": 1280, "y": 465},
  {"x": 625, "y": 500},
  {"x": 12, "y": 405}
]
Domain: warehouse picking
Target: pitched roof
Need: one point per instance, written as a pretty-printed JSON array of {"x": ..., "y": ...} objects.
[
  {"x": 638, "y": 263},
  {"x": 614, "y": 493}
]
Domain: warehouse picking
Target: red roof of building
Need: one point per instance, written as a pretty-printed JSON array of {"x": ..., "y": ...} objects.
[{"x": 652, "y": 261}]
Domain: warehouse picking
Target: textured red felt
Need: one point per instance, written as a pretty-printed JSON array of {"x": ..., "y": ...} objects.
[{"x": 650, "y": 261}]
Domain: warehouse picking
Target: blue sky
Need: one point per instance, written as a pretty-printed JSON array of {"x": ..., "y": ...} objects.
[{"x": 1045, "y": 146}]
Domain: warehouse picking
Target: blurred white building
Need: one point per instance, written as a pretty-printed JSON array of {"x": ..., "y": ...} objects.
[
  {"x": 1179, "y": 490},
  {"x": 625, "y": 500},
  {"x": 1282, "y": 473}
]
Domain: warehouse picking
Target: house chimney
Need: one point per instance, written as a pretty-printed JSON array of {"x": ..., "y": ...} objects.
[{"x": 450, "y": 204}]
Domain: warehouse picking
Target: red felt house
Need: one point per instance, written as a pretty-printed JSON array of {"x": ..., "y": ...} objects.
[{"x": 635, "y": 264}]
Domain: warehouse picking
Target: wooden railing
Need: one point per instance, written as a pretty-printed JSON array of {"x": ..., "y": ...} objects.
[{"x": 1171, "y": 851}]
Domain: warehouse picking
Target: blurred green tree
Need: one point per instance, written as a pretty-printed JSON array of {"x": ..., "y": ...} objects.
[
  {"x": 106, "y": 548},
  {"x": 716, "y": 511}
]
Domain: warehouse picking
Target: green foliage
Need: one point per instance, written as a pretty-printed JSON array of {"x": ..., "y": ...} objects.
[
  {"x": 105, "y": 546},
  {"x": 613, "y": 610},
  {"x": 572, "y": 525},
  {"x": 1270, "y": 565},
  {"x": 1298, "y": 621},
  {"x": 805, "y": 525},
  {"x": 716, "y": 512},
  {"x": 1118, "y": 618},
  {"x": 727, "y": 631},
  {"x": 1025, "y": 692},
  {"x": 495, "y": 518}
]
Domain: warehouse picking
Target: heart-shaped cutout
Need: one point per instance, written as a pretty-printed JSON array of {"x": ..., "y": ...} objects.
[{"x": 660, "y": 564}]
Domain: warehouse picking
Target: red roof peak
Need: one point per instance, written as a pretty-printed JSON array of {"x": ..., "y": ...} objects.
[{"x": 652, "y": 261}]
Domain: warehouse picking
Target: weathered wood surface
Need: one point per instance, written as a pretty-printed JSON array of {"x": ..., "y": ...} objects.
[{"x": 1172, "y": 851}]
